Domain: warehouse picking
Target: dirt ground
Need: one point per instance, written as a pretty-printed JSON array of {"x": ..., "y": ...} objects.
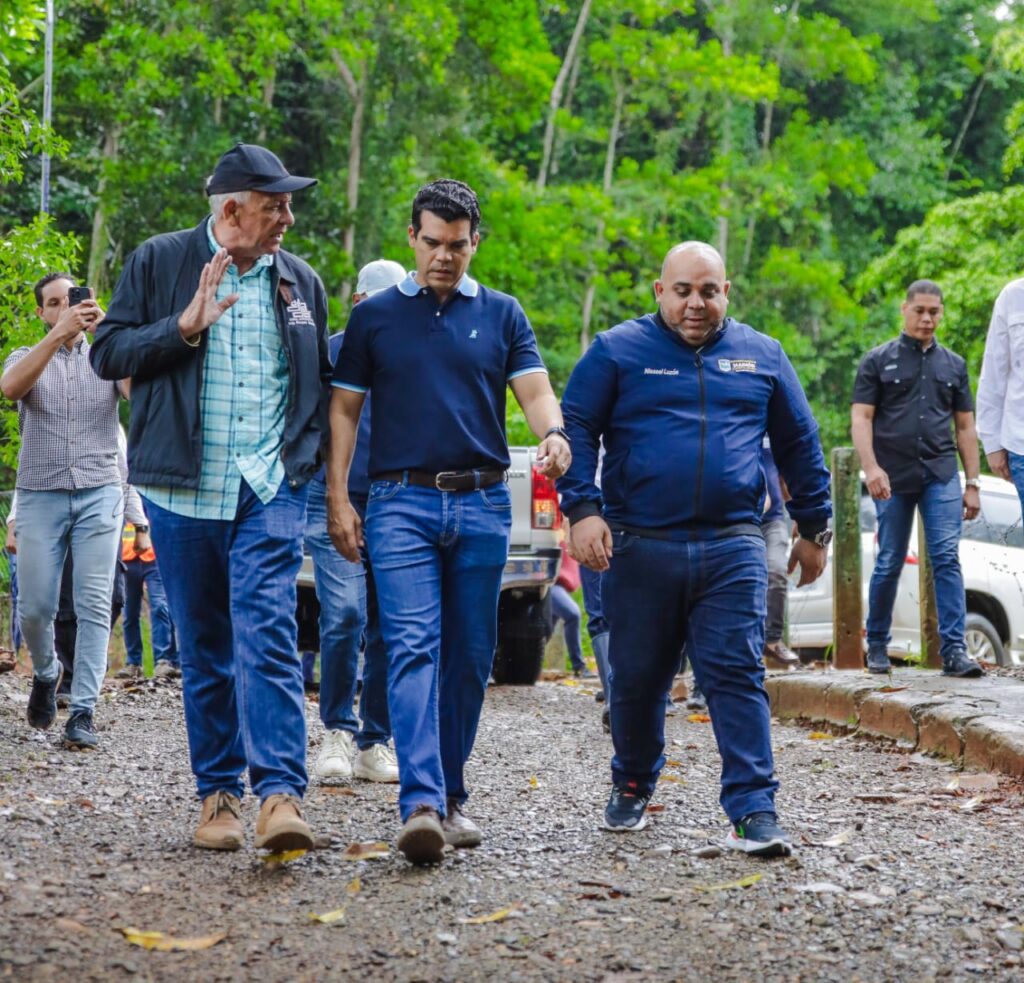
[{"x": 906, "y": 870}]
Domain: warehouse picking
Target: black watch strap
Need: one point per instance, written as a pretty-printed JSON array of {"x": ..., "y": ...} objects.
[{"x": 561, "y": 433}]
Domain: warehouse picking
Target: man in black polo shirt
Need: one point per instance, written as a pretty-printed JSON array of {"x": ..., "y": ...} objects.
[
  {"x": 437, "y": 350},
  {"x": 907, "y": 393}
]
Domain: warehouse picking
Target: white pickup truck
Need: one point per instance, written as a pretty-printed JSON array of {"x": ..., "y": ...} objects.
[{"x": 534, "y": 557}]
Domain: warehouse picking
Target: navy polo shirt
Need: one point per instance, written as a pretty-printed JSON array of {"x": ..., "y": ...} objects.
[
  {"x": 438, "y": 374},
  {"x": 358, "y": 472}
]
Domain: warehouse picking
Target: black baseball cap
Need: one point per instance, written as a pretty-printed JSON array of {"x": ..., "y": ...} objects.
[{"x": 248, "y": 167}]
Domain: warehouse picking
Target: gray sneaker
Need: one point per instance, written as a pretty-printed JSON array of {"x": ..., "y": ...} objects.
[
  {"x": 878, "y": 661},
  {"x": 79, "y": 733},
  {"x": 959, "y": 663},
  {"x": 166, "y": 670}
]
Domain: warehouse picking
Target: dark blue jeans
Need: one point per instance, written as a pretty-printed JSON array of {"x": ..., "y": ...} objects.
[
  {"x": 139, "y": 575},
  {"x": 941, "y": 506},
  {"x": 709, "y": 595},
  {"x": 437, "y": 557},
  {"x": 348, "y": 613},
  {"x": 231, "y": 589}
]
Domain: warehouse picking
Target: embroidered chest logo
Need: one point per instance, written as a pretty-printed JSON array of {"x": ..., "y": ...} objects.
[
  {"x": 298, "y": 313},
  {"x": 737, "y": 365},
  {"x": 661, "y": 371},
  {"x": 472, "y": 334}
]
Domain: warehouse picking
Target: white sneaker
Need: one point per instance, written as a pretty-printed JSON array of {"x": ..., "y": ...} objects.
[
  {"x": 377, "y": 763},
  {"x": 334, "y": 762}
]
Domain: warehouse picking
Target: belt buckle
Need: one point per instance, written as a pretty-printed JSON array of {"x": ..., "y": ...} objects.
[{"x": 441, "y": 476}]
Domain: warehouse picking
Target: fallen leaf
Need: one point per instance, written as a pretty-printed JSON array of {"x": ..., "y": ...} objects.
[
  {"x": 534, "y": 782},
  {"x": 878, "y": 797},
  {"x": 954, "y": 785},
  {"x": 820, "y": 735},
  {"x": 165, "y": 943},
  {"x": 365, "y": 851},
  {"x": 672, "y": 763},
  {"x": 354, "y": 886},
  {"x": 657, "y": 807},
  {"x": 570, "y": 682},
  {"x": 890, "y": 689},
  {"x": 337, "y": 790},
  {"x": 699, "y": 718},
  {"x": 672, "y": 778},
  {"x": 838, "y": 840},
  {"x": 328, "y": 917},
  {"x": 285, "y": 857},
  {"x": 747, "y": 881},
  {"x": 495, "y": 916}
]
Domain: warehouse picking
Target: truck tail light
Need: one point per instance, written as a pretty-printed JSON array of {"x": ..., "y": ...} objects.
[{"x": 545, "y": 511}]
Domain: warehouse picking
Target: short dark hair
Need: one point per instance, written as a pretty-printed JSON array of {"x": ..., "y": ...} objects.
[
  {"x": 49, "y": 278},
  {"x": 924, "y": 287},
  {"x": 449, "y": 199}
]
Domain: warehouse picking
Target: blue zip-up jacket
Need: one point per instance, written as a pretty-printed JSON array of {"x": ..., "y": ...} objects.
[
  {"x": 139, "y": 338},
  {"x": 682, "y": 430}
]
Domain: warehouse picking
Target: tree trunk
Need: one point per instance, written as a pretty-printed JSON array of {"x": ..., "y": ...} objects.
[
  {"x": 570, "y": 91},
  {"x": 606, "y": 184},
  {"x": 555, "y": 100},
  {"x": 98, "y": 275},
  {"x": 269, "y": 84},
  {"x": 972, "y": 108}
]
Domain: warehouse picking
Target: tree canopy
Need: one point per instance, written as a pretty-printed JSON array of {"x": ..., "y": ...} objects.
[{"x": 832, "y": 150}]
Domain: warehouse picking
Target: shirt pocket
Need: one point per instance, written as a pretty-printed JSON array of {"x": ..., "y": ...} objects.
[
  {"x": 895, "y": 381},
  {"x": 947, "y": 384}
]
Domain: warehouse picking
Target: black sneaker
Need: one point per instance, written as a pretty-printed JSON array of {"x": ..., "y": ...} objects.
[
  {"x": 42, "y": 701},
  {"x": 959, "y": 663},
  {"x": 79, "y": 733},
  {"x": 696, "y": 701},
  {"x": 878, "y": 661},
  {"x": 626, "y": 809},
  {"x": 759, "y": 835}
]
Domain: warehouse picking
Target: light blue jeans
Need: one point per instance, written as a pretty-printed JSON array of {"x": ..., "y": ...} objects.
[{"x": 88, "y": 522}]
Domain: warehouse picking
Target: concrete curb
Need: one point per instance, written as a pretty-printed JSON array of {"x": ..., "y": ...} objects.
[{"x": 979, "y": 724}]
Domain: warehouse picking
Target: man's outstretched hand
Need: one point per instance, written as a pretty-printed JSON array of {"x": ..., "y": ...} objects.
[
  {"x": 812, "y": 559},
  {"x": 204, "y": 308}
]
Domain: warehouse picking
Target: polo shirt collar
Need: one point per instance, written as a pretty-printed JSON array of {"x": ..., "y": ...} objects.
[
  {"x": 468, "y": 287},
  {"x": 265, "y": 260}
]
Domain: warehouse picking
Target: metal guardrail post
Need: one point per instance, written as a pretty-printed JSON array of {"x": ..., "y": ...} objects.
[
  {"x": 848, "y": 612},
  {"x": 931, "y": 655}
]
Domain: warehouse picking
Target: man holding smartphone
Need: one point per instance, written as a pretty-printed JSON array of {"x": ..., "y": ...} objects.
[{"x": 70, "y": 497}]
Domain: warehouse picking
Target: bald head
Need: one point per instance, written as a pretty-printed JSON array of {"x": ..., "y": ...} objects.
[
  {"x": 692, "y": 247},
  {"x": 693, "y": 291}
]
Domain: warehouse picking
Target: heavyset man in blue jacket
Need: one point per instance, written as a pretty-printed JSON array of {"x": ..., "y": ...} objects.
[
  {"x": 682, "y": 399},
  {"x": 224, "y": 336}
]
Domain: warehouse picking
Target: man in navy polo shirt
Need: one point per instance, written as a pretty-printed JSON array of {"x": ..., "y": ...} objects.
[
  {"x": 437, "y": 351},
  {"x": 683, "y": 399}
]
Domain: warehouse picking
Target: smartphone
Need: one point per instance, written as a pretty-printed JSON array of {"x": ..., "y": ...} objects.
[{"x": 77, "y": 294}]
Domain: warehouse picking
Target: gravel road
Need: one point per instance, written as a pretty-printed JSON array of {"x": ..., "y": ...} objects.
[{"x": 906, "y": 869}]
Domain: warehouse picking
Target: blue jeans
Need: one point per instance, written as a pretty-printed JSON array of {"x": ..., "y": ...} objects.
[
  {"x": 231, "y": 590},
  {"x": 710, "y": 596},
  {"x": 1016, "y": 462},
  {"x": 49, "y": 523},
  {"x": 138, "y": 575},
  {"x": 941, "y": 506},
  {"x": 348, "y": 613},
  {"x": 565, "y": 609},
  {"x": 438, "y": 559}
]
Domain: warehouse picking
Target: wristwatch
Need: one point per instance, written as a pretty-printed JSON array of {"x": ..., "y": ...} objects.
[
  {"x": 820, "y": 539},
  {"x": 973, "y": 483},
  {"x": 560, "y": 432},
  {"x": 142, "y": 528}
]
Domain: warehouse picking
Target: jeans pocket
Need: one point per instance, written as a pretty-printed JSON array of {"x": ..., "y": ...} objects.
[
  {"x": 497, "y": 497},
  {"x": 622, "y": 541},
  {"x": 285, "y": 515},
  {"x": 381, "y": 491}
]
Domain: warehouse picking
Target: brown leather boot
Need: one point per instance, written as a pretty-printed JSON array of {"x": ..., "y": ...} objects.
[
  {"x": 280, "y": 825},
  {"x": 219, "y": 825}
]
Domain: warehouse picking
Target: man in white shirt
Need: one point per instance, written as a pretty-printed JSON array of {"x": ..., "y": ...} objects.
[{"x": 1000, "y": 399}]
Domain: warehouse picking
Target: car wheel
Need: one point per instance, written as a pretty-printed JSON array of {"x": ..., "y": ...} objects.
[{"x": 983, "y": 641}]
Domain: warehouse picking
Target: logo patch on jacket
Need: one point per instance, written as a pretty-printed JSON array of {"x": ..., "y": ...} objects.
[
  {"x": 737, "y": 365},
  {"x": 661, "y": 371},
  {"x": 298, "y": 313}
]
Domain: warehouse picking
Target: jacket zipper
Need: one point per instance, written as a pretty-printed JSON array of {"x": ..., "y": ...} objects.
[
  {"x": 285, "y": 344},
  {"x": 703, "y": 433}
]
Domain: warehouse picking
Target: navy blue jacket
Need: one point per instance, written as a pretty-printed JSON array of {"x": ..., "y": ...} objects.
[
  {"x": 682, "y": 430},
  {"x": 139, "y": 338}
]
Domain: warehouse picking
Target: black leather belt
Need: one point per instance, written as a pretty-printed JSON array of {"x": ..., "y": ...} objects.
[{"x": 446, "y": 481}]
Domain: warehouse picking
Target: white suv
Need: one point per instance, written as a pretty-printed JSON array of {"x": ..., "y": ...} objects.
[{"x": 992, "y": 559}]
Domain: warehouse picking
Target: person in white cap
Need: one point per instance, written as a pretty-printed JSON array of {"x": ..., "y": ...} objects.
[{"x": 351, "y": 747}]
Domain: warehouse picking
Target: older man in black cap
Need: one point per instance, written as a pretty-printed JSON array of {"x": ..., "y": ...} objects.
[{"x": 224, "y": 335}]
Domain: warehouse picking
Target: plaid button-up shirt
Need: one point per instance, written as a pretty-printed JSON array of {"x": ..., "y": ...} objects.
[
  {"x": 242, "y": 401},
  {"x": 68, "y": 425}
]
